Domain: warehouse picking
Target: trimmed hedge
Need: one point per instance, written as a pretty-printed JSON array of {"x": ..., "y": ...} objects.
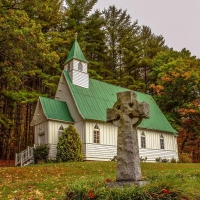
[{"x": 69, "y": 146}]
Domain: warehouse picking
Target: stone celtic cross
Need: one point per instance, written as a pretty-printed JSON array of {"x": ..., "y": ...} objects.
[{"x": 127, "y": 113}]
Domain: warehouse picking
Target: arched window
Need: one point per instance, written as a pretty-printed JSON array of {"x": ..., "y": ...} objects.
[
  {"x": 80, "y": 66},
  {"x": 143, "y": 140},
  {"x": 61, "y": 129},
  {"x": 162, "y": 146},
  {"x": 96, "y": 134}
]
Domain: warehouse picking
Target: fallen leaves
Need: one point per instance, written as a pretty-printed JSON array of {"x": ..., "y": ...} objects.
[{"x": 91, "y": 194}]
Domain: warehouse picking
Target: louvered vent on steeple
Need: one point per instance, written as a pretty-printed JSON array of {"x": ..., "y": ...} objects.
[{"x": 76, "y": 65}]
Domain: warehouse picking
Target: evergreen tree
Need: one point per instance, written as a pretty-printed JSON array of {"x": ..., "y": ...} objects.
[
  {"x": 95, "y": 48},
  {"x": 78, "y": 11},
  {"x": 150, "y": 45},
  {"x": 25, "y": 65},
  {"x": 120, "y": 36},
  {"x": 69, "y": 147},
  {"x": 89, "y": 28}
]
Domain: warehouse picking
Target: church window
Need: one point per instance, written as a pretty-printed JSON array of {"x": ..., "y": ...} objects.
[
  {"x": 61, "y": 129},
  {"x": 80, "y": 66},
  {"x": 162, "y": 146},
  {"x": 143, "y": 140},
  {"x": 96, "y": 134}
]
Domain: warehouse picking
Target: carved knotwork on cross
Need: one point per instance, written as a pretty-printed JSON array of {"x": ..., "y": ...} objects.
[{"x": 127, "y": 113}]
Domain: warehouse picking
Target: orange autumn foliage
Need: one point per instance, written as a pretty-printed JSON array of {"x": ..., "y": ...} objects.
[{"x": 157, "y": 88}]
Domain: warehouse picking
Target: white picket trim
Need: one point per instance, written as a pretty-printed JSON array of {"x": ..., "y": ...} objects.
[{"x": 24, "y": 156}]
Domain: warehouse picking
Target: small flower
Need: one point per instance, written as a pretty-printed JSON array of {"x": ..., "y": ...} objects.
[
  {"x": 165, "y": 191},
  {"x": 108, "y": 180},
  {"x": 90, "y": 194},
  {"x": 152, "y": 195}
]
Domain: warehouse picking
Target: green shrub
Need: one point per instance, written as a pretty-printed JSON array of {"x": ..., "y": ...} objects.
[
  {"x": 158, "y": 159},
  {"x": 184, "y": 158},
  {"x": 41, "y": 152},
  {"x": 69, "y": 146},
  {"x": 164, "y": 160},
  {"x": 143, "y": 159},
  {"x": 173, "y": 160},
  {"x": 97, "y": 189},
  {"x": 114, "y": 159}
]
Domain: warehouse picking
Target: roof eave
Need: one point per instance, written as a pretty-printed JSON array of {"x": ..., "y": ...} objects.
[
  {"x": 60, "y": 120},
  {"x": 68, "y": 60}
]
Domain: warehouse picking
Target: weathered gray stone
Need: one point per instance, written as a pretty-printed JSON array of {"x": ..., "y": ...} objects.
[{"x": 127, "y": 113}]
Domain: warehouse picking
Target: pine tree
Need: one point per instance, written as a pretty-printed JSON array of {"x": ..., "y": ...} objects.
[
  {"x": 25, "y": 65},
  {"x": 150, "y": 45},
  {"x": 95, "y": 46},
  {"x": 120, "y": 33}
]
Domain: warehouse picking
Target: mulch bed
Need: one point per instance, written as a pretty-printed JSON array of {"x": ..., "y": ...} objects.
[{"x": 7, "y": 163}]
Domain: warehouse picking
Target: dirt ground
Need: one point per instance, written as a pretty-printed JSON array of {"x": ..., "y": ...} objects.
[{"x": 7, "y": 163}]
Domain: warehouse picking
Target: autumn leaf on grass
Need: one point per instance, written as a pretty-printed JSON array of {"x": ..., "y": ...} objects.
[
  {"x": 165, "y": 191},
  {"x": 38, "y": 193},
  {"x": 90, "y": 194},
  {"x": 107, "y": 180}
]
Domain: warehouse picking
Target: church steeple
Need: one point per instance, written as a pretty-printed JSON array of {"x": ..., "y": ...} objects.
[
  {"x": 76, "y": 65},
  {"x": 76, "y": 53}
]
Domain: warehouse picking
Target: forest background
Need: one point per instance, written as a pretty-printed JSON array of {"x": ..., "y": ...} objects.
[{"x": 36, "y": 37}]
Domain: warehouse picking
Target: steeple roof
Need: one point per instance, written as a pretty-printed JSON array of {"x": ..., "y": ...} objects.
[{"x": 76, "y": 53}]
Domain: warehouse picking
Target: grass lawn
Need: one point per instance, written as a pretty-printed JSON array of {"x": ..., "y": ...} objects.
[{"x": 53, "y": 181}]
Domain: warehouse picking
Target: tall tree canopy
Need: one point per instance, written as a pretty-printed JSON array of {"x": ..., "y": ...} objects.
[
  {"x": 120, "y": 33},
  {"x": 25, "y": 65},
  {"x": 176, "y": 78},
  {"x": 36, "y": 37}
]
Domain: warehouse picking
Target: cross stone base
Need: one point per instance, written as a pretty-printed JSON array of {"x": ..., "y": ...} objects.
[{"x": 126, "y": 183}]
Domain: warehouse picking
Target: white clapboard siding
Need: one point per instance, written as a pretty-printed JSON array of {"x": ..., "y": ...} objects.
[
  {"x": 107, "y": 152},
  {"x": 152, "y": 154},
  {"x": 52, "y": 151},
  {"x": 39, "y": 115},
  {"x": 153, "y": 139},
  {"x": 53, "y": 127},
  {"x": 63, "y": 93},
  {"x": 107, "y": 149},
  {"x": 81, "y": 79},
  {"x": 53, "y": 136},
  {"x": 84, "y": 150},
  {"x": 75, "y": 63},
  {"x": 108, "y": 133},
  {"x": 100, "y": 152},
  {"x": 41, "y": 129},
  {"x": 80, "y": 128}
]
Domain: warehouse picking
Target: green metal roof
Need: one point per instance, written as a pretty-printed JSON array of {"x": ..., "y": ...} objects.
[
  {"x": 93, "y": 102},
  {"x": 54, "y": 109},
  {"x": 76, "y": 53}
]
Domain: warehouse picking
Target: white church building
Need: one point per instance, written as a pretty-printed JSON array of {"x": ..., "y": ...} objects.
[{"x": 82, "y": 102}]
